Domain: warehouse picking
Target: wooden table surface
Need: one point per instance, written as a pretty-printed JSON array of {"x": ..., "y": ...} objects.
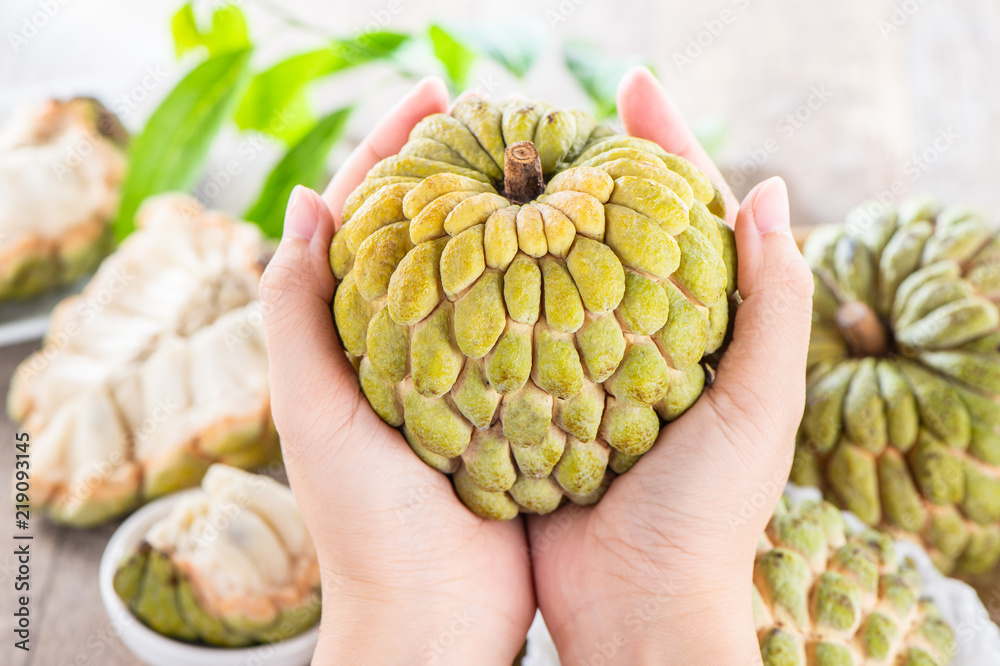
[{"x": 844, "y": 100}]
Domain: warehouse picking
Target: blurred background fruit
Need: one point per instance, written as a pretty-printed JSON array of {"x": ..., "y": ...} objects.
[
  {"x": 902, "y": 420},
  {"x": 154, "y": 371},
  {"x": 61, "y": 164}
]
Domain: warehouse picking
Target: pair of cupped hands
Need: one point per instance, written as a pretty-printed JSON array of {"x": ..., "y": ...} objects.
[{"x": 659, "y": 572}]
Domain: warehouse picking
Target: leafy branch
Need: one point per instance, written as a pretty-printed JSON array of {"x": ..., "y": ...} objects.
[{"x": 170, "y": 152}]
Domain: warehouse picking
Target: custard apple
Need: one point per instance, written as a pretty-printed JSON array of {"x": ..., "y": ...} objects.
[
  {"x": 61, "y": 165},
  {"x": 822, "y": 597},
  {"x": 231, "y": 565},
  {"x": 902, "y": 420},
  {"x": 153, "y": 372},
  {"x": 529, "y": 296}
]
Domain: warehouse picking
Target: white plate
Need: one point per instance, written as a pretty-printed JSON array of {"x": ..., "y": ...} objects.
[{"x": 157, "y": 650}]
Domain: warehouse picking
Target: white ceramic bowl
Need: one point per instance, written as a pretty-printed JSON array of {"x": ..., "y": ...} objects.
[{"x": 157, "y": 650}]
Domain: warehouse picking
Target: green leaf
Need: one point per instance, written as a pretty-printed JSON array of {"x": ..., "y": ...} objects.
[
  {"x": 453, "y": 54},
  {"x": 516, "y": 45},
  {"x": 184, "y": 29},
  {"x": 369, "y": 46},
  {"x": 598, "y": 74},
  {"x": 276, "y": 102},
  {"x": 169, "y": 152},
  {"x": 228, "y": 32},
  {"x": 303, "y": 164}
]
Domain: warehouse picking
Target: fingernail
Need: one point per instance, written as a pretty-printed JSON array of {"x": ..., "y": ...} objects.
[
  {"x": 770, "y": 207},
  {"x": 301, "y": 218}
]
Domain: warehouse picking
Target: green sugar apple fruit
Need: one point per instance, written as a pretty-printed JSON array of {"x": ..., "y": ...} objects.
[
  {"x": 823, "y": 597},
  {"x": 902, "y": 417},
  {"x": 530, "y": 296}
]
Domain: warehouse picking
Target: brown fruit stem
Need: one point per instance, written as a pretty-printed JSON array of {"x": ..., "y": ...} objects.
[
  {"x": 522, "y": 172},
  {"x": 861, "y": 327}
]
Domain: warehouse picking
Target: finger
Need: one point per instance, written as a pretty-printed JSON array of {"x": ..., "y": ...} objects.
[
  {"x": 427, "y": 97},
  {"x": 765, "y": 364},
  {"x": 647, "y": 112},
  {"x": 295, "y": 293}
]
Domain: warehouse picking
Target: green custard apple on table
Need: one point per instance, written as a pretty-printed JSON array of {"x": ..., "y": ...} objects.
[
  {"x": 231, "y": 565},
  {"x": 829, "y": 592},
  {"x": 61, "y": 165},
  {"x": 825, "y": 597},
  {"x": 902, "y": 421},
  {"x": 155, "y": 371},
  {"x": 530, "y": 296}
]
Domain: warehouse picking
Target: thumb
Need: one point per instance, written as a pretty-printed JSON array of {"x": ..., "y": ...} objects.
[
  {"x": 763, "y": 371},
  {"x": 296, "y": 289}
]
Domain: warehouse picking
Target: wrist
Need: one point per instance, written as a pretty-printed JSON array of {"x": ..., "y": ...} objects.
[
  {"x": 718, "y": 636},
  {"x": 376, "y": 627},
  {"x": 663, "y": 624}
]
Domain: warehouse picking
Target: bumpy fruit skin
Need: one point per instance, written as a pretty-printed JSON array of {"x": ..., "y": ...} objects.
[
  {"x": 152, "y": 373},
  {"x": 534, "y": 351},
  {"x": 61, "y": 164},
  {"x": 825, "y": 598},
  {"x": 908, "y": 436},
  {"x": 231, "y": 565}
]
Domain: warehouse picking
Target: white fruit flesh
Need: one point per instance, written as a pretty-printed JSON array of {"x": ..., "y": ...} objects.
[
  {"x": 59, "y": 181},
  {"x": 242, "y": 544},
  {"x": 154, "y": 371},
  {"x": 56, "y": 171}
]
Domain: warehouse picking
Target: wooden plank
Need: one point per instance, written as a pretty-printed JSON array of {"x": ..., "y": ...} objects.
[
  {"x": 44, "y": 544},
  {"x": 75, "y": 628}
]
